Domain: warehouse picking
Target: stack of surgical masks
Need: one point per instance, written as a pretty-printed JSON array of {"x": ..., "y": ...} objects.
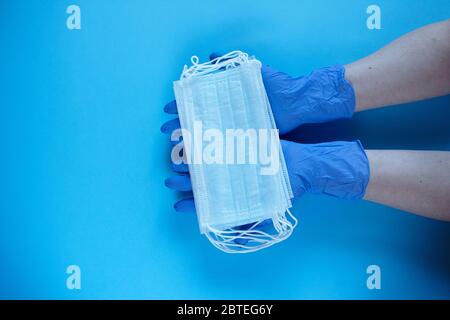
[{"x": 231, "y": 145}]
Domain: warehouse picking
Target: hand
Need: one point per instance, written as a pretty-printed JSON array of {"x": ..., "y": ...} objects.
[
  {"x": 322, "y": 96},
  {"x": 339, "y": 169}
]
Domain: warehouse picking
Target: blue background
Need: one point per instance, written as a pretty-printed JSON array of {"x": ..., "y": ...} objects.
[{"x": 83, "y": 161}]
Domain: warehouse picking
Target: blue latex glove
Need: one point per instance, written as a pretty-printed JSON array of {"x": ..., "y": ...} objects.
[
  {"x": 322, "y": 96},
  {"x": 339, "y": 169}
]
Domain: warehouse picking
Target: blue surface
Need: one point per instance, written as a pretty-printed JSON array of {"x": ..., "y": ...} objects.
[{"x": 83, "y": 161}]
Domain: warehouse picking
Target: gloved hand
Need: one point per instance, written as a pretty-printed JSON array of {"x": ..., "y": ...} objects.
[
  {"x": 338, "y": 169},
  {"x": 322, "y": 96}
]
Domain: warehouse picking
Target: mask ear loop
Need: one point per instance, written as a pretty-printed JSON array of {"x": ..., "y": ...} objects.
[
  {"x": 227, "y": 61},
  {"x": 222, "y": 241},
  {"x": 257, "y": 239}
]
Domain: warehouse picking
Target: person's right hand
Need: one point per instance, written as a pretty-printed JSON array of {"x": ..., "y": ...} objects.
[{"x": 324, "y": 95}]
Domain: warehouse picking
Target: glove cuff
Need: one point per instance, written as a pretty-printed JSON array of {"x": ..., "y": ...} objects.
[
  {"x": 345, "y": 92},
  {"x": 333, "y": 98}
]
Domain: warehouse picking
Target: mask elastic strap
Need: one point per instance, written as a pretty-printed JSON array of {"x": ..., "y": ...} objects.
[
  {"x": 228, "y": 240},
  {"x": 227, "y": 61}
]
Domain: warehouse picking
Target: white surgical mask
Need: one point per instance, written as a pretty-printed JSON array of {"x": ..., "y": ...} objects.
[{"x": 246, "y": 182}]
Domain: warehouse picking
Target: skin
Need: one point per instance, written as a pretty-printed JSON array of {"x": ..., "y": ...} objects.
[
  {"x": 413, "y": 181},
  {"x": 416, "y": 66}
]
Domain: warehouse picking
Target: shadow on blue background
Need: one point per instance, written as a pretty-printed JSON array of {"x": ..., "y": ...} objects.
[{"x": 83, "y": 161}]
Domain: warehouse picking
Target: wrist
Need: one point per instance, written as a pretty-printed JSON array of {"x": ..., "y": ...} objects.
[{"x": 336, "y": 98}]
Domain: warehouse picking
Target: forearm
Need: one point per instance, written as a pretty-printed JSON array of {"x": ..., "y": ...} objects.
[
  {"x": 414, "y": 67},
  {"x": 414, "y": 181}
]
